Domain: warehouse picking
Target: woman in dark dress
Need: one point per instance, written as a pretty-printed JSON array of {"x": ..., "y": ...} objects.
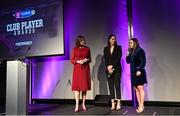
[
  {"x": 137, "y": 59},
  {"x": 81, "y": 81},
  {"x": 112, "y": 57}
]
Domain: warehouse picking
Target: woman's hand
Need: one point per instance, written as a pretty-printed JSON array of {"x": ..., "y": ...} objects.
[
  {"x": 80, "y": 61},
  {"x": 109, "y": 67},
  {"x": 110, "y": 71},
  {"x": 85, "y": 60},
  {"x": 128, "y": 52},
  {"x": 138, "y": 73}
]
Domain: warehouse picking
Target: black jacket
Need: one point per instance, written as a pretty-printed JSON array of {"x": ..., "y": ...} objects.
[
  {"x": 137, "y": 60},
  {"x": 114, "y": 58}
]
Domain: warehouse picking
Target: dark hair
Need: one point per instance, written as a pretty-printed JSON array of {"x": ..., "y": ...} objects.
[
  {"x": 79, "y": 39},
  {"x": 136, "y": 43},
  {"x": 108, "y": 43}
]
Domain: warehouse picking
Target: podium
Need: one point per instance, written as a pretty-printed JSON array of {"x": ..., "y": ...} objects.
[{"x": 16, "y": 88}]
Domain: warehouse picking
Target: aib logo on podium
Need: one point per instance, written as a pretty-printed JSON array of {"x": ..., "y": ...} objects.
[{"x": 24, "y": 14}]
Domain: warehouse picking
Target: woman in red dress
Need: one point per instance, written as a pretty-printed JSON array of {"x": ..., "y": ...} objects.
[{"x": 81, "y": 81}]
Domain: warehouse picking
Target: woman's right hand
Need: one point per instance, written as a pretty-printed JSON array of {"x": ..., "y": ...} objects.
[{"x": 128, "y": 52}]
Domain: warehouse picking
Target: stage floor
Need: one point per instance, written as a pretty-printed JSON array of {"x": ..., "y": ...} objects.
[{"x": 68, "y": 109}]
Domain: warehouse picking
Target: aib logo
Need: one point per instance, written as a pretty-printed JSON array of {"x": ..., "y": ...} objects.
[{"x": 24, "y": 14}]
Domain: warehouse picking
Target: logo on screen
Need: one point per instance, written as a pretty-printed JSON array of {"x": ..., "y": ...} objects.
[
  {"x": 24, "y": 27},
  {"x": 24, "y": 14}
]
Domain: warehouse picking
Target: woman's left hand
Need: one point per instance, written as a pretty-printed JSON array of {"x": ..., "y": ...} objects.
[
  {"x": 138, "y": 73},
  {"x": 85, "y": 60}
]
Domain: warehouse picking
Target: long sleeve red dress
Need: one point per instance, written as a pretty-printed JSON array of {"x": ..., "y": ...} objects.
[{"x": 81, "y": 80}]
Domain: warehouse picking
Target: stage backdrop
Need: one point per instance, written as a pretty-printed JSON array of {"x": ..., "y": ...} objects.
[
  {"x": 95, "y": 19},
  {"x": 157, "y": 25}
]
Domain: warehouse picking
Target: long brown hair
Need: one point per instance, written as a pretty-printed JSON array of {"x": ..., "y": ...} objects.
[
  {"x": 135, "y": 44},
  {"x": 79, "y": 39}
]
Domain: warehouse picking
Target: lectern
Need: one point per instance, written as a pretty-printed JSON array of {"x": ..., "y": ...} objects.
[{"x": 16, "y": 88}]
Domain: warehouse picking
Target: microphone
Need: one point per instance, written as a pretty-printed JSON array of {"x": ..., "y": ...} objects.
[{"x": 128, "y": 52}]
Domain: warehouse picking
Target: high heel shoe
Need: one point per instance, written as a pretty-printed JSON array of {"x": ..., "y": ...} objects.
[
  {"x": 113, "y": 104},
  {"x": 140, "y": 109},
  {"x": 84, "y": 108},
  {"x": 137, "y": 110},
  {"x": 76, "y": 110},
  {"x": 118, "y": 106}
]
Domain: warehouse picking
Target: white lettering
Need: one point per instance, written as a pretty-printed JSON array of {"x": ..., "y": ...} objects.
[{"x": 26, "y": 27}]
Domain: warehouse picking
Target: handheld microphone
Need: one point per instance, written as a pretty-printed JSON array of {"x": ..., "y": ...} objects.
[{"x": 129, "y": 50}]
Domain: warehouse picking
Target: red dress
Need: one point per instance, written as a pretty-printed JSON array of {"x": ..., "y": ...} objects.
[{"x": 81, "y": 73}]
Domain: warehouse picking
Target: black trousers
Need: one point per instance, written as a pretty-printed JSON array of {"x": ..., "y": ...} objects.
[{"x": 114, "y": 82}]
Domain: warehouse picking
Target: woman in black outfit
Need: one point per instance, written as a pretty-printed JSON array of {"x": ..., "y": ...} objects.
[
  {"x": 112, "y": 57},
  {"x": 137, "y": 59}
]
